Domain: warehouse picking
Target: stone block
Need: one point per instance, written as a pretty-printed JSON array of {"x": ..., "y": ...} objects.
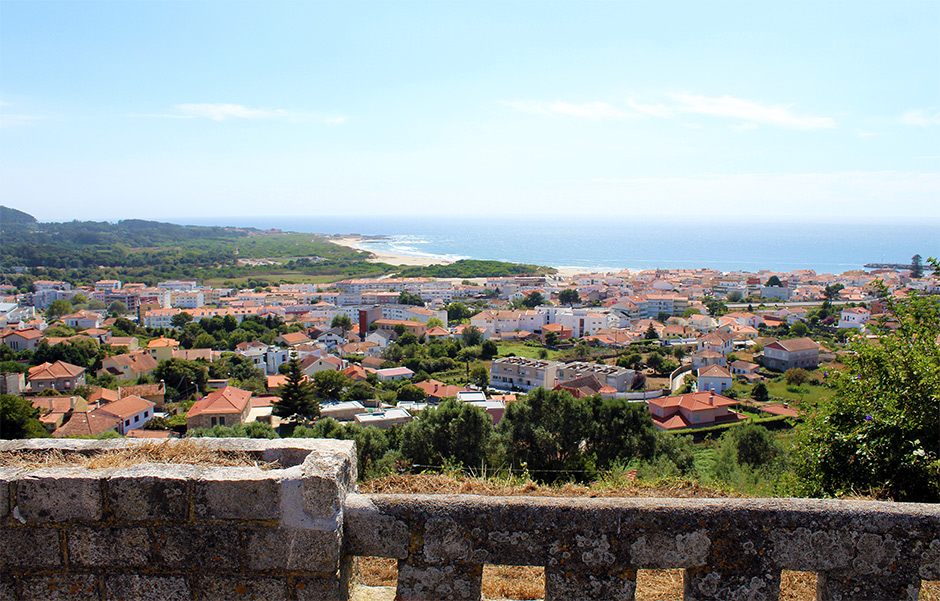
[
  {"x": 670, "y": 550},
  {"x": 33, "y": 548},
  {"x": 840, "y": 585},
  {"x": 451, "y": 582},
  {"x": 53, "y": 587},
  {"x": 60, "y": 494},
  {"x": 707, "y": 584},
  {"x": 581, "y": 583},
  {"x": 109, "y": 547},
  {"x": 291, "y": 549},
  {"x": 242, "y": 493},
  {"x": 6, "y": 474},
  {"x": 324, "y": 587},
  {"x": 199, "y": 546},
  {"x": 235, "y": 587},
  {"x": 8, "y": 587},
  {"x": 146, "y": 587},
  {"x": 152, "y": 492},
  {"x": 368, "y": 531}
]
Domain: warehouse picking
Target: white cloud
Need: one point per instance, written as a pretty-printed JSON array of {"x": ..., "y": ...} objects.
[
  {"x": 653, "y": 110},
  {"x": 11, "y": 120},
  {"x": 751, "y": 112},
  {"x": 920, "y": 118},
  {"x": 225, "y": 112}
]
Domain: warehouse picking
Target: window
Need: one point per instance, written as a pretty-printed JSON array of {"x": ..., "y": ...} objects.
[
  {"x": 127, "y": 422},
  {"x": 136, "y": 418},
  {"x": 146, "y": 413}
]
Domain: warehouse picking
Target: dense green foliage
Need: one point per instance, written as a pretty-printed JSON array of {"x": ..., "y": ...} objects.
[
  {"x": 19, "y": 419},
  {"x": 451, "y": 432},
  {"x": 296, "y": 395},
  {"x": 473, "y": 268},
  {"x": 880, "y": 431}
]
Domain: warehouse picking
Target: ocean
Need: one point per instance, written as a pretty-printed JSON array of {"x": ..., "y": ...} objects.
[{"x": 610, "y": 244}]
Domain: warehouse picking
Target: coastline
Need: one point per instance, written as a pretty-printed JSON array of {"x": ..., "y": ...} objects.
[{"x": 359, "y": 243}]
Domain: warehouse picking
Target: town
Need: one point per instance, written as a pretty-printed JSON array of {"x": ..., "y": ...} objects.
[{"x": 697, "y": 347}]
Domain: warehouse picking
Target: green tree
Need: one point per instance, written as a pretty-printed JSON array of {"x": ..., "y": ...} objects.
[
  {"x": 533, "y": 299},
  {"x": 917, "y": 267},
  {"x": 832, "y": 291},
  {"x": 651, "y": 333},
  {"x": 180, "y": 319},
  {"x": 296, "y": 394},
  {"x": 759, "y": 393},
  {"x": 408, "y": 298},
  {"x": 774, "y": 282},
  {"x": 480, "y": 376},
  {"x": 457, "y": 312},
  {"x": 329, "y": 384},
  {"x": 117, "y": 308},
  {"x": 655, "y": 361},
  {"x": 19, "y": 419},
  {"x": 799, "y": 329},
  {"x": 471, "y": 336},
  {"x": 183, "y": 378},
  {"x": 58, "y": 308},
  {"x": 453, "y": 431},
  {"x": 551, "y": 339},
  {"x": 569, "y": 296},
  {"x": 879, "y": 431},
  {"x": 434, "y": 322},
  {"x": 342, "y": 321},
  {"x": 543, "y": 433},
  {"x": 619, "y": 430},
  {"x": 78, "y": 299},
  {"x": 204, "y": 340},
  {"x": 488, "y": 350},
  {"x": 411, "y": 393},
  {"x": 796, "y": 376}
]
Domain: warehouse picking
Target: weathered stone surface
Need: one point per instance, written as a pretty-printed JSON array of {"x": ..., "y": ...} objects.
[
  {"x": 67, "y": 445},
  {"x": 32, "y": 548},
  {"x": 325, "y": 587},
  {"x": 668, "y": 550},
  {"x": 450, "y": 582},
  {"x": 849, "y": 586},
  {"x": 705, "y": 584},
  {"x": 291, "y": 549},
  {"x": 805, "y": 550},
  {"x": 370, "y": 532},
  {"x": 582, "y": 583},
  {"x": 243, "y": 493},
  {"x": 930, "y": 561},
  {"x": 60, "y": 494},
  {"x": 230, "y": 587},
  {"x": 201, "y": 546},
  {"x": 146, "y": 587},
  {"x": 8, "y": 587},
  {"x": 53, "y": 587},
  {"x": 328, "y": 476},
  {"x": 6, "y": 474},
  {"x": 109, "y": 547},
  {"x": 152, "y": 492}
]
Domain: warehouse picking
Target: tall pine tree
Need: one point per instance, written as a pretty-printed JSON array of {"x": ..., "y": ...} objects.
[{"x": 296, "y": 394}]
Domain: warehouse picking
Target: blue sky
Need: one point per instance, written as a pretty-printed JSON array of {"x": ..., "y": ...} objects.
[{"x": 768, "y": 110}]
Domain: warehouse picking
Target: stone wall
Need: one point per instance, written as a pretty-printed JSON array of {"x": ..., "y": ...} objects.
[
  {"x": 203, "y": 533},
  {"x": 178, "y": 532}
]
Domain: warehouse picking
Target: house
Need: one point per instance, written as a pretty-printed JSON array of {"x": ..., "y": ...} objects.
[
  {"x": 523, "y": 373},
  {"x": 383, "y": 419},
  {"x": 312, "y": 365},
  {"x": 693, "y": 410},
  {"x": 292, "y": 339},
  {"x": 356, "y": 373},
  {"x": 133, "y": 411},
  {"x": 225, "y": 407},
  {"x": 788, "y": 354},
  {"x": 155, "y": 393},
  {"x": 394, "y": 373},
  {"x": 58, "y": 376},
  {"x": 82, "y": 319},
  {"x": 55, "y": 410},
  {"x": 717, "y": 342},
  {"x": 706, "y": 358},
  {"x": 559, "y": 330},
  {"x": 23, "y": 340},
  {"x": 582, "y": 386},
  {"x": 714, "y": 378},
  {"x": 342, "y": 412},
  {"x": 437, "y": 391},
  {"x": 102, "y": 396},
  {"x": 162, "y": 348},
  {"x": 87, "y": 424},
  {"x": 129, "y": 342},
  {"x": 415, "y": 327},
  {"x": 130, "y": 366},
  {"x": 854, "y": 317},
  {"x": 744, "y": 368},
  {"x": 618, "y": 378}
]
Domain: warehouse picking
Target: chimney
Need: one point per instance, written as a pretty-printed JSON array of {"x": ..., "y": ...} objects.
[{"x": 711, "y": 397}]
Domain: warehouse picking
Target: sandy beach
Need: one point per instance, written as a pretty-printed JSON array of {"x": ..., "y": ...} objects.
[{"x": 360, "y": 243}]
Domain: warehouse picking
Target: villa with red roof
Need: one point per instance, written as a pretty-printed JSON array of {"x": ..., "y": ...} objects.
[
  {"x": 694, "y": 410},
  {"x": 58, "y": 376},
  {"x": 225, "y": 407}
]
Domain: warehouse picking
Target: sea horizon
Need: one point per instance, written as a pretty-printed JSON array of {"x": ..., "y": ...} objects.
[{"x": 601, "y": 244}]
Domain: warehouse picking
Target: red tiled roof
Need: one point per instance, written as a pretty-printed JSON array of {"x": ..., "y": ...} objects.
[
  {"x": 225, "y": 400},
  {"x": 125, "y": 407},
  {"x": 53, "y": 371},
  {"x": 87, "y": 424}
]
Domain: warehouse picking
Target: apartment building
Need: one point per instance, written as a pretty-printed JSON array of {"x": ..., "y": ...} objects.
[{"x": 523, "y": 373}]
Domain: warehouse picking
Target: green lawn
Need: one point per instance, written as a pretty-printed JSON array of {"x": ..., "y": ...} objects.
[
  {"x": 778, "y": 388},
  {"x": 520, "y": 350}
]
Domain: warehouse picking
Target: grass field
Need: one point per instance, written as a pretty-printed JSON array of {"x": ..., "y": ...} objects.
[{"x": 778, "y": 389}]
